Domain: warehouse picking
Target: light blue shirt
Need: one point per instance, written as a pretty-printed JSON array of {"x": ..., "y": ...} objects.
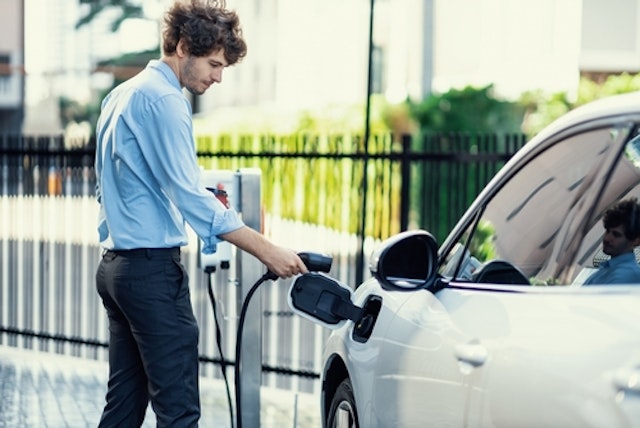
[
  {"x": 622, "y": 269},
  {"x": 148, "y": 179}
]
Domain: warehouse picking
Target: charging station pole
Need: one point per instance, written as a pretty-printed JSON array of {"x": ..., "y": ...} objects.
[
  {"x": 244, "y": 191},
  {"x": 251, "y": 352}
]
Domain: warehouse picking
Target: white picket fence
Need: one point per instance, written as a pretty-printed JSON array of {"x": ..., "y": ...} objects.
[{"x": 49, "y": 255}]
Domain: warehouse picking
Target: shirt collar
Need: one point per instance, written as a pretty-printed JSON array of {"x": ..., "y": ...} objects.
[
  {"x": 622, "y": 258},
  {"x": 168, "y": 73}
]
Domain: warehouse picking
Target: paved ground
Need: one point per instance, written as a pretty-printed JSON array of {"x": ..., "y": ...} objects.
[{"x": 47, "y": 390}]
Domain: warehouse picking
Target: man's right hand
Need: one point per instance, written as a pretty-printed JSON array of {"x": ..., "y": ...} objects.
[{"x": 282, "y": 261}]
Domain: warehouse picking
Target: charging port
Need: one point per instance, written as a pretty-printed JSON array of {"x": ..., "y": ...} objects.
[{"x": 364, "y": 327}]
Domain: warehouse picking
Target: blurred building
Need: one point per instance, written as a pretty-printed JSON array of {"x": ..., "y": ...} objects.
[
  {"x": 11, "y": 66},
  {"x": 309, "y": 53},
  {"x": 59, "y": 60},
  {"x": 305, "y": 53},
  {"x": 609, "y": 37},
  {"x": 314, "y": 53}
]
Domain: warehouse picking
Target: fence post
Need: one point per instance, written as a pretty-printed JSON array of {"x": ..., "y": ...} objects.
[{"x": 405, "y": 171}]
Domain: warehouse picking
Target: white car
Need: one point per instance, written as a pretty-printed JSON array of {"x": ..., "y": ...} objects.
[{"x": 492, "y": 328}]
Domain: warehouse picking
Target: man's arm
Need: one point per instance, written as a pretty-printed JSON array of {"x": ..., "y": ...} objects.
[{"x": 279, "y": 260}]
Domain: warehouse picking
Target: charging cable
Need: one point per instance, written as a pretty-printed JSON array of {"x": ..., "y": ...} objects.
[
  {"x": 243, "y": 314},
  {"x": 223, "y": 362},
  {"x": 315, "y": 262}
]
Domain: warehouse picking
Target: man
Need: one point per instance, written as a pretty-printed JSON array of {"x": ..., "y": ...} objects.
[
  {"x": 622, "y": 235},
  {"x": 148, "y": 186}
]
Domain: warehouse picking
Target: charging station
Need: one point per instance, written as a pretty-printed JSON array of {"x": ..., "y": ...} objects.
[
  {"x": 241, "y": 191},
  {"x": 225, "y": 184}
]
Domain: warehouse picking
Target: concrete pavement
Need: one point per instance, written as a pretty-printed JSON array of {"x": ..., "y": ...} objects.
[{"x": 39, "y": 389}]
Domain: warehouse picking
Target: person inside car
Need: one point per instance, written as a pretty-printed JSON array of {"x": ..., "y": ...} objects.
[{"x": 622, "y": 234}]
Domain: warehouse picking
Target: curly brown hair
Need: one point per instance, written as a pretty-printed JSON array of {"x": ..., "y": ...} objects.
[
  {"x": 624, "y": 213},
  {"x": 204, "y": 26}
]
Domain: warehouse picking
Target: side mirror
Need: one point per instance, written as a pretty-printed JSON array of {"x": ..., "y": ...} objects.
[{"x": 406, "y": 261}]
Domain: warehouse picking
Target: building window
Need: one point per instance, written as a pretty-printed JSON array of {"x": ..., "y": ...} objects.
[{"x": 5, "y": 64}]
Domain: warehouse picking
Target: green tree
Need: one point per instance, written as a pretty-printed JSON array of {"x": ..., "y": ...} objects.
[
  {"x": 127, "y": 9},
  {"x": 543, "y": 109},
  {"x": 73, "y": 111},
  {"x": 469, "y": 109}
]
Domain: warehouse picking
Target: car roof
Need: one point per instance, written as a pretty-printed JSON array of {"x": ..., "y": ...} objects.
[
  {"x": 616, "y": 105},
  {"x": 602, "y": 110}
]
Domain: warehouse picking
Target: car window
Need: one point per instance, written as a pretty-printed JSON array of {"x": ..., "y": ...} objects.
[
  {"x": 623, "y": 183},
  {"x": 535, "y": 222}
]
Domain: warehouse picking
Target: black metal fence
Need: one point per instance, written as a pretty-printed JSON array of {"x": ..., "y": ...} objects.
[
  {"x": 329, "y": 190},
  {"x": 395, "y": 184}
]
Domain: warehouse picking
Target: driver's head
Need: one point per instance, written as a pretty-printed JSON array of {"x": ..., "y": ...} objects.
[
  {"x": 626, "y": 214},
  {"x": 622, "y": 227}
]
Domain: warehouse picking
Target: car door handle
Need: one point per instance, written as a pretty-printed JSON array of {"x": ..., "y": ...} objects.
[
  {"x": 627, "y": 380},
  {"x": 472, "y": 353}
]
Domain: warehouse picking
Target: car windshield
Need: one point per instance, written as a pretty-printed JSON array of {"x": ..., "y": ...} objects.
[{"x": 537, "y": 220}]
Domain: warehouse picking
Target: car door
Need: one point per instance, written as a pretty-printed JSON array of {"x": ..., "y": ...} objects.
[
  {"x": 540, "y": 352},
  {"x": 416, "y": 383},
  {"x": 547, "y": 357}
]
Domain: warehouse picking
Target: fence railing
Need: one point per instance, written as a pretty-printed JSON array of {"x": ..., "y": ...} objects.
[{"x": 312, "y": 198}]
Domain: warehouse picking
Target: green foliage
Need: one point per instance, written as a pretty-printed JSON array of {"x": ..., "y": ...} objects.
[
  {"x": 482, "y": 245},
  {"x": 317, "y": 190},
  {"x": 73, "y": 111},
  {"x": 542, "y": 110},
  {"x": 133, "y": 59},
  {"x": 468, "y": 109},
  {"x": 477, "y": 110},
  {"x": 330, "y": 119},
  {"x": 126, "y": 9},
  {"x": 590, "y": 90}
]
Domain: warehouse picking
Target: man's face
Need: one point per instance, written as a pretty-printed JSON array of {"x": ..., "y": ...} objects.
[
  {"x": 199, "y": 72},
  {"x": 615, "y": 242}
]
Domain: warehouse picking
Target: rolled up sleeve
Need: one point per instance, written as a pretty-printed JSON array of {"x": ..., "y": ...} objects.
[{"x": 223, "y": 222}]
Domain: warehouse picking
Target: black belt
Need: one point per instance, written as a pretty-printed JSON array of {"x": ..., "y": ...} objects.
[{"x": 147, "y": 252}]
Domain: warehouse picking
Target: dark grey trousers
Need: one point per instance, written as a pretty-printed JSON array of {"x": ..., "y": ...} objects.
[{"x": 153, "y": 339}]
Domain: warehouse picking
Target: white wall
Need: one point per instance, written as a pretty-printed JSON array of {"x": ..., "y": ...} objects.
[
  {"x": 518, "y": 45},
  {"x": 301, "y": 53},
  {"x": 611, "y": 36},
  {"x": 304, "y": 53}
]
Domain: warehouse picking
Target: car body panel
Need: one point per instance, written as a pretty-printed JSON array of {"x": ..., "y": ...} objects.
[
  {"x": 419, "y": 365},
  {"x": 553, "y": 367},
  {"x": 459, "y": 351}
]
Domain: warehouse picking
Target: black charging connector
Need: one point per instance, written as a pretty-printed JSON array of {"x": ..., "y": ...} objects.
[
  {"x": 322, "y": 298},
  {"x": 315, "y": 262}
]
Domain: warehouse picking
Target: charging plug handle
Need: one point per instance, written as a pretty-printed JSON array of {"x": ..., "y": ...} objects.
[{"x": 315, "y": 262}]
